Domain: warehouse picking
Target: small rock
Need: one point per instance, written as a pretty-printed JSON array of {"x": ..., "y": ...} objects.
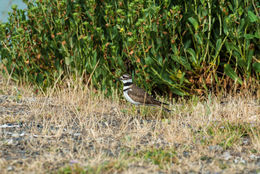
[
  {"x": 10, "y": 168},
  {"x": 73, "y": 162},
  {"x": 108, "y": 152},
  {"x": 258, "y": 162},
  {"x": 10, "y": 141},
  {"x": 186, "y": 154},
  {"x": 15, "y": 135},
  {"x": 215, "y": 148},
  {"x": 239, "y": 160},
  {"x": 226, "y": 155},
  {"x": 253, "y": 157},
  {"x": 77, "y": 134},
  {"x": 246, "y": 141}
]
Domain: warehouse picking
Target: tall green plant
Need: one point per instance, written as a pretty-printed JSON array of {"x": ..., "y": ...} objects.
[{"x": 175, "y": 46}]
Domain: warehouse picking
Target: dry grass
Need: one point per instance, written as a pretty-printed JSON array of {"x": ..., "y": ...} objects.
[{"x": 74, "y": 130}]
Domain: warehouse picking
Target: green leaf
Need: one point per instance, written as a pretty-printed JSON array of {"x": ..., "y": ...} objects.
[
  {"x": 257, "y": 35},
  {"x": 39, "y": 78},
  {"x": 231, "y": 73},
  {"x": 187, "y": 44},
  {"x": 252, "y": 16},
  {"x": 148, "y": 60},
  {"x": 194, "y": 23},
  {"x": 67, "y": 60},
  {"x": 218, "y": 47},
  {"x": 231, "y": 47},
  {"x": 14, "y": 6},
  {"x": 249, "y": 59},
  {"x": 178, "y": 92},
  {"x": 94, "y": 60},
  {"x": 198, "y": 39},
  {"x": 182, "y": 60},
  {"x": 193, "y": 55},
  {"x": 249, "y": 36},
  {"x": 160, "y": 60},
  {"x": 256, "y": 67},
  {"x": 225, "y": 26},
  {"x": 241, "y": 62},
  {"x": 218, "y": 44}
]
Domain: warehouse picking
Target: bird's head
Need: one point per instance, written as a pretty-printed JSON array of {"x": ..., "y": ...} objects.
[{"x": 126, "y": 78}]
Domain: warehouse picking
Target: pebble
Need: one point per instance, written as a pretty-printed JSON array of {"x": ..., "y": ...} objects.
[
  {"x": 186, "y": 154},
  {"x": 239, "y": 160},
  {"x": 10, "y": 168},
  {"x": 258, "y": 162},
  {"x": 215, "y": 148},
  {"x": 226, "y": 156},
  {"x": 253, "y": 157},
  {"x": 10, "y": 141}
]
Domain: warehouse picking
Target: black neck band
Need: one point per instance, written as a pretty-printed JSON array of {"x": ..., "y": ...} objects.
[
  {"x": 126, "y": 89},
  {"x": 128, "y": 83}
]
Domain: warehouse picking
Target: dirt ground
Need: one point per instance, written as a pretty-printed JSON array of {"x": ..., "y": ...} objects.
[{"x": 81, "y": 131}]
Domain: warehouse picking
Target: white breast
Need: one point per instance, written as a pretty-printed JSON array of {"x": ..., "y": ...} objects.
[{"x": 129, "y": 99}]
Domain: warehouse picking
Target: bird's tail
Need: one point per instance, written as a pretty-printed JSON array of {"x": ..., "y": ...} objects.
[
  {"x": 167, "y": 110},
  {"x": 162, "y": 102}
]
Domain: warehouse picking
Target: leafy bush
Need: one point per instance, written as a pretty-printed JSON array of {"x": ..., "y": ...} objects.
[{"x": 174, "y": 46}]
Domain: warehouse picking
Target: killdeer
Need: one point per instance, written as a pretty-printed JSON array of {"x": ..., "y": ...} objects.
[{"x": 136, "y": 95}]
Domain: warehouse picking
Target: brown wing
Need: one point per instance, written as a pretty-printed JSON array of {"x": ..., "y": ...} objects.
[{"x": 140, "y": 95}]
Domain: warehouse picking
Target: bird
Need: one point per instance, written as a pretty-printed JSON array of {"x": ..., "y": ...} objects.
[{"x": 137, "y": 95}]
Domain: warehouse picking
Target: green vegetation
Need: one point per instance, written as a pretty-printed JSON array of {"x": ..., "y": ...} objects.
[
  {"x": 179, "y": 47},
  {"x": 226, "y": 134},
  {"x": 105, "y": 167},
  {"x": 160, "y": 157}
]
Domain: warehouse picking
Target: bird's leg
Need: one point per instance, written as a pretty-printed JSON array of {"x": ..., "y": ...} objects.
[{"x": 138, "y": 110}]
